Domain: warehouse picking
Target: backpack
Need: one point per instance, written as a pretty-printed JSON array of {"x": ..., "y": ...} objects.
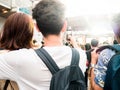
[
  {"x": 112, "y": 80},
  {"x": 68, "y": 78}
]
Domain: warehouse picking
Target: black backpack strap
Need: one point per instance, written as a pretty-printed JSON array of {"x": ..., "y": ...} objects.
[
  {"x": 116, "y": 48},
  {"x": 75, "y": 57},
  {"x": 50, "y": 63},
  {"x": 7, "y": 82},
  {"x": 73, "y": 73},
  {"x": 47, "y": 59}
]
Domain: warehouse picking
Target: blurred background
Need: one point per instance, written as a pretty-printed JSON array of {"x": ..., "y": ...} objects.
[{"x": 87, "y": 19}]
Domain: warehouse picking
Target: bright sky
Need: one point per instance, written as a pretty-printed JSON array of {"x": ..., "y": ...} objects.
[
  {"x": 96, "y": 9},
  {"x": 91, "y": 7}
]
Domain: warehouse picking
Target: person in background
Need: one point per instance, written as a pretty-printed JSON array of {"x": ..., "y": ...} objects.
[
  {"x": 100, "y": 60},
  {"x": 88, "y": 54},
  {"x": 72, "y": 42},
  {"x": 82, "y": 46},
  {"x": 90, "y": 47},
  {"x": 87, "y": 46},
  {"x": 17, "y": 33},
  {"x": 24, "y": 65},
  {"x": 94, "y": 43},
  {"x": 105, "y": 43},
  {"x": 115, "y": 42}
]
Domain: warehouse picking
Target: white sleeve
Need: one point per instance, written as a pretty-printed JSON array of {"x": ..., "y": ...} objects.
[
  {"x": 83, "y": 59},
  {"x": 6, "y": 71}
]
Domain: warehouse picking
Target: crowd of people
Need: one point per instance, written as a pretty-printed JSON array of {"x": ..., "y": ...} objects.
[{"x": 20, "y": 64}]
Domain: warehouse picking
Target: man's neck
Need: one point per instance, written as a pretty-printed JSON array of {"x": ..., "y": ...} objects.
[{"x": 53, "y": 40}]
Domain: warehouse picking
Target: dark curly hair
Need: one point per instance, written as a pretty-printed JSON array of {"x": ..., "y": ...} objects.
[{"x": 50, "y": 16}]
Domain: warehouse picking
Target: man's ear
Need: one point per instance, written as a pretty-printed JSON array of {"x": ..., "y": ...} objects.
[{"x": 64, "y": 27}]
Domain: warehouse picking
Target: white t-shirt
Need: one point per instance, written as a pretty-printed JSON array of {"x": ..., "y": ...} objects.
[{"x": 29, "y": 71}]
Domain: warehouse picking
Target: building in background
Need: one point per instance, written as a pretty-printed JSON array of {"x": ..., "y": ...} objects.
[{"x": 7, "y": 7}]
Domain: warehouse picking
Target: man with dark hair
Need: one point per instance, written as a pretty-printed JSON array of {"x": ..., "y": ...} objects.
[
  {"x": 94, "y": 43},
  {"x": 50, "y": 17},
  {"x": 51, "y": 22},
  {"x": 24, "y": 66}
]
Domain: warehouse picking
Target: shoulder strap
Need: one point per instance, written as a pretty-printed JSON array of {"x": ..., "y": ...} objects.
[
  {"x": 75, "y": 62},
  {"x": 47, "y": 59},
  {"x": 50, "y": 63},
  {"x": 112, "y": 47},
  {"x": 75, "y": 57},
  {"x": 7, "y": 82}
]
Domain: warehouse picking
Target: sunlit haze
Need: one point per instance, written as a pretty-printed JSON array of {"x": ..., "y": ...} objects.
[
  {"x": 91, "y": 7},
  {"x": 97, "y": 13}
]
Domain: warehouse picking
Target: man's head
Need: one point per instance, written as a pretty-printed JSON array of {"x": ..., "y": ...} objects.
[
  {"x": 94, "y": 42},
  {"x": 49, "y": 16}
]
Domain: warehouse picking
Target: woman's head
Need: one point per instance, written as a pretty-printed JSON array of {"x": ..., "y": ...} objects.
[{"x": 17, "y": 32}]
